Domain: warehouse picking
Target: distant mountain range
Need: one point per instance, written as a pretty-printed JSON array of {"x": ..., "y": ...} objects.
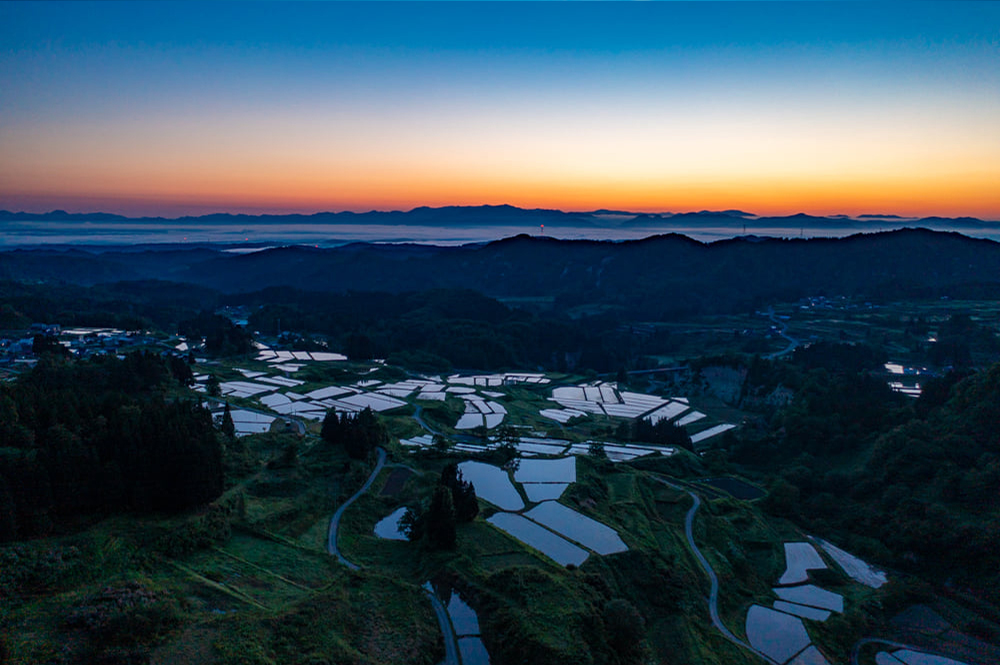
[
  {"x": 506, "y": 215},
  {"x": 657, "y": 276}
]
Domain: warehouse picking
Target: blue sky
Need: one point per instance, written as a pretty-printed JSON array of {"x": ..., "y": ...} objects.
[{"x": 299, "y": 106}]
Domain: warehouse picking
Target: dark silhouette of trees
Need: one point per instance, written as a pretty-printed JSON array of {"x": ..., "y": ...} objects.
[
  {"x": 359, "y": 433},
  {"x": 463, "y": 494},
  {"x": 228, "y": 426},
  {"x": 663, "y": 432},
  {"x": 440, "y": 520},
  {"x": 626, "y": 630},
  {"x": 48, "y": 344},
  {"x": 222, "y": 336},
  {"x": 96, "y": 436},
  {"x": 453, "y": 500}
]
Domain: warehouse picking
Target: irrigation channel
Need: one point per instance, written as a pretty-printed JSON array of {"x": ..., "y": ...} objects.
[
  {"x": 450, "y": 648},
  {"x": 713, "y": 595}
]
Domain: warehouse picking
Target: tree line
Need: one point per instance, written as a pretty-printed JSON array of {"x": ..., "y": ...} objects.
[
  {"x": 910, "y": 483},
  {"x": 97, "y": 436}
]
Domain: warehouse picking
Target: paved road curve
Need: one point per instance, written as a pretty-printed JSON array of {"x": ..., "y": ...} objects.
[
  {"x": 782, "y": 331},
  {"x": 450, "y": 650},
  {"x": 331, "y": 542},
  {"x": 713, "y": 596}
]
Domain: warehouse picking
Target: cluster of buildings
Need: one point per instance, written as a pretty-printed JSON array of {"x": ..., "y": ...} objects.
[{"x": 17, "y": 346}]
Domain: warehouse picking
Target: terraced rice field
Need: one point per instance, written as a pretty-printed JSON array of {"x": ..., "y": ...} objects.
[
  {"x": 799, "y": 558},
  {"x": 910, "y": 657},
  {"x": 555, "y": 547},
  {"x": 813, "y": 596},
  {"x": 492, "y": 484},
  {"x": 855, "y": 568},
  {"x": 579, "y": 528},
  {"x": 777, "y": 635}
]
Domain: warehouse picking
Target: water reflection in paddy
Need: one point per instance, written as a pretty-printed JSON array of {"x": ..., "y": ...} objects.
[
  {"x": 388, "y": 527},
  {"x": 492, "y": 484}
]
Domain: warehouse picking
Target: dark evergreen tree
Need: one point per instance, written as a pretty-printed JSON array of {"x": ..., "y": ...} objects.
[
  {"x": 440, "y": 519},
  {"x": 228, "y": 426},
  {"x": 663, "y": 432},
  {"x": 463, "y": 494},
  {"x": 48, "y": 344}
]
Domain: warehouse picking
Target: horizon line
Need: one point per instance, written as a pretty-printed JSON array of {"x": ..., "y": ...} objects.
[{"x": 734, "y": 213}]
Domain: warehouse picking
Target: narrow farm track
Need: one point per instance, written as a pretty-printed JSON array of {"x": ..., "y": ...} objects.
[
  {"x": 783, "y": 332},
  {"x": 418, "y": 416},
  {"x": 450, "y": 641},
  {"x": 331, "y": 543},
  {"x": 713, "y": 596},
  {"x": 450, "y": 648}
]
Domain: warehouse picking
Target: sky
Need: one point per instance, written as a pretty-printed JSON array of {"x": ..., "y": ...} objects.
[{"x": 773, "y": 108}]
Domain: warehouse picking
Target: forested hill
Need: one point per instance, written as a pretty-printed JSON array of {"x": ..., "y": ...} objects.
[{"x": 659, "y": 275}]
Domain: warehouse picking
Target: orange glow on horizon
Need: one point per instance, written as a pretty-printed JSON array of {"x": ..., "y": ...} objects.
[{"x": 948, "y": 197}]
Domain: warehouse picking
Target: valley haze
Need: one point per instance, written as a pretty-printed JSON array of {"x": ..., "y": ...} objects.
[{"x": 450, "y": 225}]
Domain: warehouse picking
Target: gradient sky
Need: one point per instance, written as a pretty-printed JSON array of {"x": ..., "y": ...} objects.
[{"x": 775, "y": 108}]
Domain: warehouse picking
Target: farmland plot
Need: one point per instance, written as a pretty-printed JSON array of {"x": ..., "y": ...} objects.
[
  {"x": 777, "y": 635},
  {"x": 492, "y": 484},
  {"x": 555, "y": 547},
  {"x": 856, "y": 569},
  {"x": 799, "y": 557},
  {"x": 590, "y": 533}
]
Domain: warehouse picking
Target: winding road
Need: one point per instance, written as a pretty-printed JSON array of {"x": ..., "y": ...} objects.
[
  {"x": 713, "y": 595},
  {"x": 418, "y": 416},
  {"x": 450, "y": 649},
  {"x": 782, "y": 330},
  {"x": 450, "y": 640},
  {"x": 331, "y": 542}
]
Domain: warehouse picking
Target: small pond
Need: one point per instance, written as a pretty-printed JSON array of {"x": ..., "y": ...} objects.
[{"x": 388, "y": 527}]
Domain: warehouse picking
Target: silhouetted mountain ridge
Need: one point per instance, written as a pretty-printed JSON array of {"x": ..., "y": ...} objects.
[
  {"x": 658, "y": 275},
  {"x": 500, "y": 215}
]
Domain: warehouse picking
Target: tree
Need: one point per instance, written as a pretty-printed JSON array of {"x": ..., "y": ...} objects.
[
  {"x": 463, "y": 494},
  {"x": 507, "y": 440},
  {"x": 331, "y": 430},
  {"x": 596, "y": 450},
  {"x": 212, "y": 386},
  {"x": 359, "y": 433},
  {"x": 663, "y": 432},
  {"x": 440, "y": 520},
  {"x": 228, "y": 426},
  {"x": 359, "y": 346},
  {"x": 47, "y": 344},
  {"x": 626, "y": 630}
]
